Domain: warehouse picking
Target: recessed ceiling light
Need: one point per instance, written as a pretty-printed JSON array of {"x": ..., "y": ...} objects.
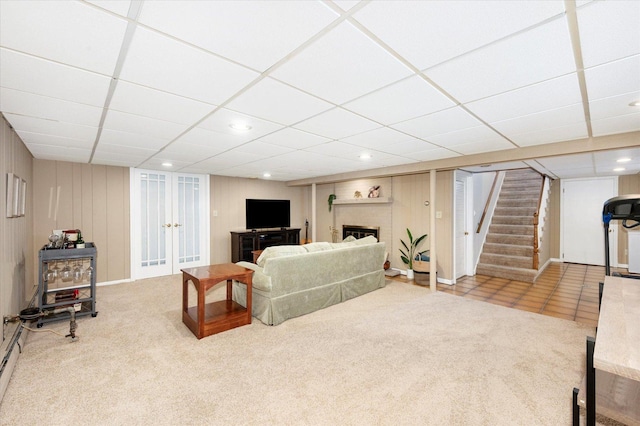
[
  {"x": 266, "y": 174},
  {"x": 619, "y": 169},
  {"x": 167, "y": 164},
  {"x": 365, "y": 156},
  {"x": 623, "y": 160},
  {"x": 238, "y": 125},
  {"x": 635, "y": 103}
]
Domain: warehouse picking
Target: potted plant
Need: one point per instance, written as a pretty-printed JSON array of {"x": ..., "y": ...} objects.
[
  {"x": 411, "y": 251},
  {"x": 331, "y": 198}
]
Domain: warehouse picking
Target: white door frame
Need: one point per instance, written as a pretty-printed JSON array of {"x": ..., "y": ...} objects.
[
  {"x": 171, "y": 251},
  {"x": 466, "y": 179}
]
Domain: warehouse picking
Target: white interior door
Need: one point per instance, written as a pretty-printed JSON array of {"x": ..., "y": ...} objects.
[
  {"x": 169, "y": 222},
  {"x": 461, "y": 232},
  {"x": 582, "y": 229}
]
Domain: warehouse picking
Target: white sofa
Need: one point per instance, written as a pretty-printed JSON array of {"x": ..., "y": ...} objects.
[{"x": 290, "y": 281}]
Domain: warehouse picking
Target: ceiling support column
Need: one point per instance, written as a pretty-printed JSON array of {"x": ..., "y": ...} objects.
[{"x": 432, "y": 232}]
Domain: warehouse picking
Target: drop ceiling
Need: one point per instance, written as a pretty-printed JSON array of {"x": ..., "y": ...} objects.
[{"x": 319, "y": 84}]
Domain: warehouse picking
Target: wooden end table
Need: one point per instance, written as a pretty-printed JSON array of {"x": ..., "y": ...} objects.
[{"x": 211, "y": 318}]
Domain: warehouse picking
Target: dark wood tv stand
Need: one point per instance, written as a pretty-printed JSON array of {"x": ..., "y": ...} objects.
[{"x": 244, "y": 242}]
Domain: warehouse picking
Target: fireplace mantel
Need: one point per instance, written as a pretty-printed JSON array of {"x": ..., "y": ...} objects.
[{"x": 379, "y": 200}]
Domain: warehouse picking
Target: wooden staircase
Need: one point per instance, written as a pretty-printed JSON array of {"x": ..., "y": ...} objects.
[{"x": 508, "y": 249}]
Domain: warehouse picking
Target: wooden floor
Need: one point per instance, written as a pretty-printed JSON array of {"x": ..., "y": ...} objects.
[{"x": 563, "y": 290}]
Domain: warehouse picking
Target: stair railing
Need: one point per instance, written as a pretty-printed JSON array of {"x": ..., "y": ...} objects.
[
  {"x": 536, "y": 221},
  {"x": 486, "y": 206}
]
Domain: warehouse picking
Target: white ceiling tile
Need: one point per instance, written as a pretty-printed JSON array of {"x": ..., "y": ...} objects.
[
  {"x": 275, "y": 101},
  {"x": 614, "y": 78},
  {"x": 614, "y": 106},
  {"x": 606, "y": 161},
  {"x": 46, "y": 78},
  {"x": 388, "y": 140},
  {"x": 341, "y": 150},
  {"x": 430, "y": 32},
  {"x": 546, "y": 135},
  {"x": 615, "y": 125},
  {"x": 229, "y": 159},
  {"x": 53, "y": 128},
  {"x": 221, "y": 120},
  {"x": 262, "y": 149},
  {"x": 130, "y": 123},
  {"x": 541, "y": 53},
  {"x": 257, "y": 34},
  {"x": 400, "y": 101},
  {"x": 30, "y": 138},
  {"x": 543, "y": 120},
  {"x": 208, "y": 139},
  {"x": 434, "y": 154},
  {"x": 68, "y": 32},
  {"x": 349, "y": 63},
  {"x": 151, "y": 103},
  {"x": 170, "y": 65},
  {"x": 550, "y": 94},
  {"x": 446, "y": 121},
  {"x": 133, "y": 140},
  {"x": 609, "y": 30},
  {"x": 293, "y": 138},
  {"x": 336, "y": 124},
  {"x": 59, "y": 153},
  {"x": 28, "y": 104},
  {"x": 132, "y": 155},
  {"x": 472, "y": 140},
  {"x": 121, "y": 7},
  {"x": 188, "y": 152},
  {"x": 155, "y": 163}
]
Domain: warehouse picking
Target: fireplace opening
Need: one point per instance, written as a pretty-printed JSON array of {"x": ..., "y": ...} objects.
[{"x": 360, "y": 231}]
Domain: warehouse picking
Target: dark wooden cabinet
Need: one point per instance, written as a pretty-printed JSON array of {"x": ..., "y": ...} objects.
[{"x": 243, "y": 243}]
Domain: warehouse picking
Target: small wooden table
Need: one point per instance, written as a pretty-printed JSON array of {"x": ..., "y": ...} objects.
[{"x": 207, "y": 319}]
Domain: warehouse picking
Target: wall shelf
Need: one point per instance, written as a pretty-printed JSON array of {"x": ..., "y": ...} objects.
[{"x": 379, "y": 200}]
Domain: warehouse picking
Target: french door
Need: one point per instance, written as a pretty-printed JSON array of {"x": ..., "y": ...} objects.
[{"x": 169, "y": 222}]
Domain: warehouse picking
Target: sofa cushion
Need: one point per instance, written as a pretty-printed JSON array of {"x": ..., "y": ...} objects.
[
  {"x": 369, "y": 239},
  {"x": 343, "y": 244},
  {"x": 319, "y": 246},
  {"x": 279, "y": 251}
]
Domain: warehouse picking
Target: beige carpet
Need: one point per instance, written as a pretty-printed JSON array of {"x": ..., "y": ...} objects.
[{"x": 400, "y": 355}]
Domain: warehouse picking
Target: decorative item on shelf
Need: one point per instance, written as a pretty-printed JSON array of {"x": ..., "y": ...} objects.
[
  {"x": 334, "y": 234},
  {"x": 80, "y": 241},
  {"x": 410, "y": 252},
  {"x": 374, "y": 191},
  {"x": 357, "y": 194},
  {"x": 331, "y": 198}
]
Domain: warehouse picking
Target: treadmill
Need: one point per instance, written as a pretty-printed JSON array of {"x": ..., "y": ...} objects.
[{"x": 625, "y": 208}]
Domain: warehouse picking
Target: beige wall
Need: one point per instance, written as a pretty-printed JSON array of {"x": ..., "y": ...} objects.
[
  {"x": 92, "y": 198},
  {"x": 406, "y": 210},
  {"x": 17, "y": 282},
  {"x": 228, "y": 195}
]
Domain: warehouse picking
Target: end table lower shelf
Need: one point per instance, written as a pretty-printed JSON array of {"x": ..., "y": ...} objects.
[{"x": 206, "y": 319}]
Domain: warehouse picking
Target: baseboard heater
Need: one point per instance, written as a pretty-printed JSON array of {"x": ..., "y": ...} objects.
[{"x": 11, "y": 356}]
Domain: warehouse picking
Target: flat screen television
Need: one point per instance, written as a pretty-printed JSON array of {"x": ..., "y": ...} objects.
[{"x": 268, "y": 213}]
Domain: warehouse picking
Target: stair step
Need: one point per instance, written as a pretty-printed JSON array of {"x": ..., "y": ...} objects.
[
  {"x": 511, "y": 229},
  {"x": 495, "y": 259},
  {"x": 517, "y": 202},
  {"x": 514, "y": 211},
  {"x": 518, "y": 240},
  {"x": 524, "y": 194},
  {"x": 512, "y": 220},
  {"x": 511, "y": 249},
  {"x": 516, "y": 274}
]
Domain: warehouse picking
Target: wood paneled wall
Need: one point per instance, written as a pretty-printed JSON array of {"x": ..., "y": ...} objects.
[
  {"x": 228, "y": 195},
  {"x": 92, "y": 198},
  {"x": 17, "y": 279}
]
